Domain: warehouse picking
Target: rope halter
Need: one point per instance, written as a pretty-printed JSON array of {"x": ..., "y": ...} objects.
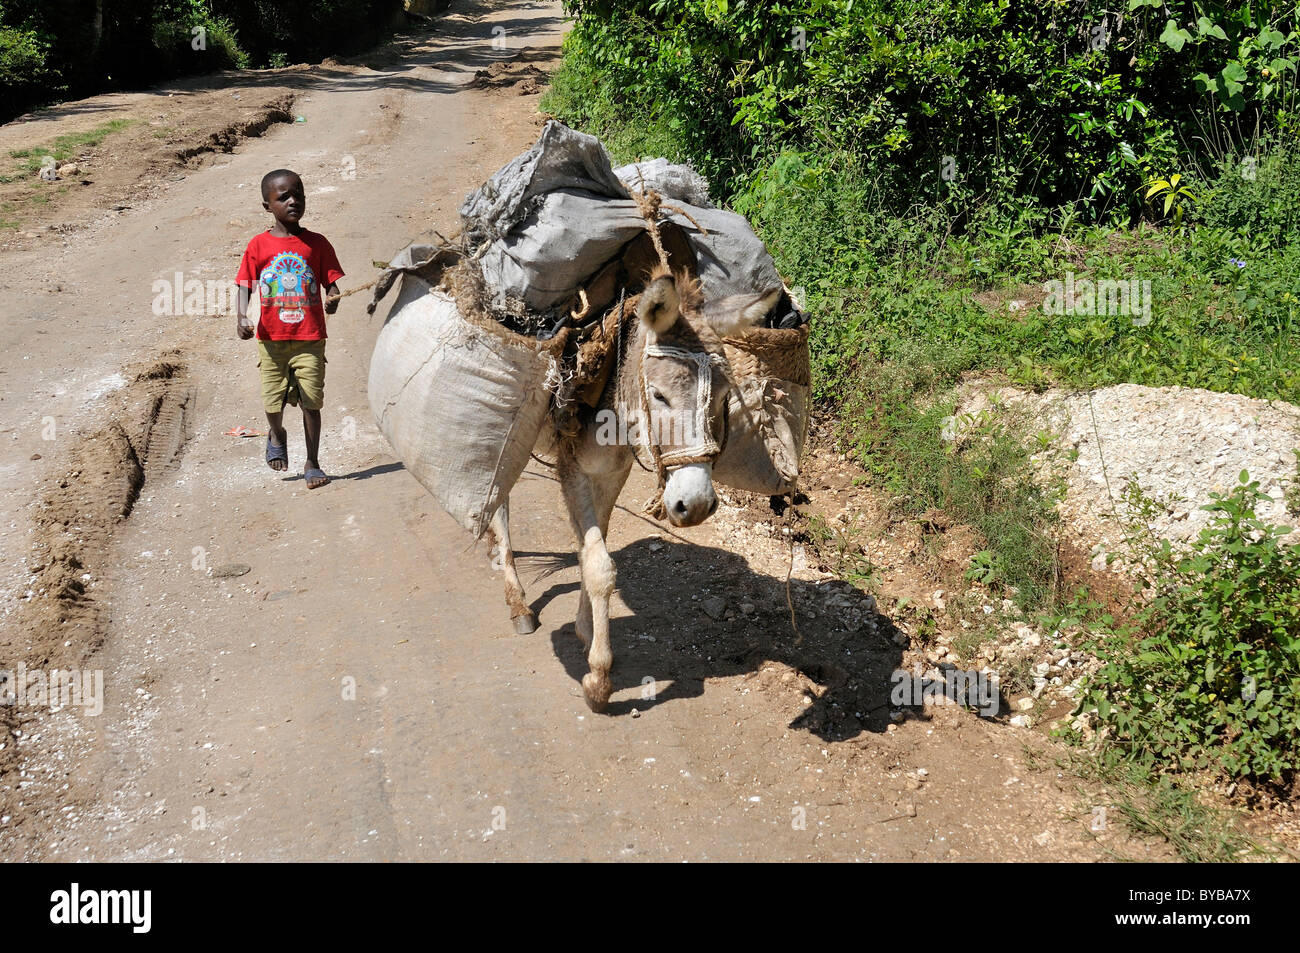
[{"x": 706, "y": 448}]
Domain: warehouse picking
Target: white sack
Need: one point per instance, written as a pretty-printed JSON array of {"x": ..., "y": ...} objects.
[
  {"x": 675, "y": 182},
  {"x": 562, "y": 158},
  {"x": 461, "y": 406}
]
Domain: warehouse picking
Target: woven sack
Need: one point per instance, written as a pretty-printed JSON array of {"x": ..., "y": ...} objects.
[
  {"x": 460, "y": 400},
  {"x": 768, "y": 410}
]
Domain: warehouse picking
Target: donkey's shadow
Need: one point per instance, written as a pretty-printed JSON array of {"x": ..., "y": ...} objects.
[{"x": 676, "y": 590}]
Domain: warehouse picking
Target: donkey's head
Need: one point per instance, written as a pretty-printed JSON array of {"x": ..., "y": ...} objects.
[{"x": 684, "y": 386}]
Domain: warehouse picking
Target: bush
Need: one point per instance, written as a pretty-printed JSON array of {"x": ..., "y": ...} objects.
[
  {"x": 996, "y": 98},
  {"x": 1208, "y": 675},
  {"x": 304, "y": 31},
  {"x": 584, "y": 99},
  {"x": 1257, "y": 195},
  {"x": 191, "y": 39},
  {"x": 22, "y": 67}
]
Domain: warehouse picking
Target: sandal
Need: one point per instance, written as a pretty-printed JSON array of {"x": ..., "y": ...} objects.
[{"x": 277, "y": 452}]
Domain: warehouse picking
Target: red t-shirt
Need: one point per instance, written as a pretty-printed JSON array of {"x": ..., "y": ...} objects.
[{"x": 289, "y": 274}]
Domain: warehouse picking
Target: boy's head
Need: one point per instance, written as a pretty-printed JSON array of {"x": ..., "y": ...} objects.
[{"x": 283, "y": 196}]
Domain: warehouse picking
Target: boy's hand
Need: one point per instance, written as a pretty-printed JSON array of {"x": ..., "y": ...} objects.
[
  {"x": 332, "y": 297},
  {"x": 243, "y": 327}
]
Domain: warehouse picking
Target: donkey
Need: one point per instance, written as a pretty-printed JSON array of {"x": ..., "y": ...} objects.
[{"x": 668, "y": 393}]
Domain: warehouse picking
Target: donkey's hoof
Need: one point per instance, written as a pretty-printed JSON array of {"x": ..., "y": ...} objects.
[
  {"x": 526, "y": 623},
  {"x": 596, "y": 689}
]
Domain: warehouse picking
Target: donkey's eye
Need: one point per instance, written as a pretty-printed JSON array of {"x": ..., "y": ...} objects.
[{"x": 657, "y": 395}]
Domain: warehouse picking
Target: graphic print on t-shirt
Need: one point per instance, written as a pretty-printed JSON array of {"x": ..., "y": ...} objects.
[{"x": 289, "y": 285}]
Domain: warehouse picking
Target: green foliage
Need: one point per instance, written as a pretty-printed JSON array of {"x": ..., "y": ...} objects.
[
  {"x": 23, "y": 66},
  {"x": 22, "y": 56},
  {"x": 584, "y": 98},
  {"x": 1163, "y": 806},
  {"x": 1208, "y": 675},
  {"x": 841, "y": 550},
  {"x": 190, "y": 37},
  {"x": 949, "y": 99},
  {"x": 1225, "y": 315},
  {"x": 1256, "y": 194},
  {"x": 984, "y": 568},
  {"x": 1293, "y": 489},
  {"x": 1175, "y": 196},
  {"x": 1246, "y": 53}
]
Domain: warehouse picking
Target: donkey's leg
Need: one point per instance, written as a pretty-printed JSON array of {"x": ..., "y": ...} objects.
[
  {"x": 583, "y": 624},
  {"x": 524, "y": 618},
  {"x": 589, "y": 503},
  {"x": 605, "y": 492}
]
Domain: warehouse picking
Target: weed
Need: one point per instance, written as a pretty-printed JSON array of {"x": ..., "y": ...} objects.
[
  {"x": 1207, "y": 676},
  {"x": 69, "y": 145}
]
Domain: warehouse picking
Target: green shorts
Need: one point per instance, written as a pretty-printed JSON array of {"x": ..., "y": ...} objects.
[{"x": 293, "y": 372}]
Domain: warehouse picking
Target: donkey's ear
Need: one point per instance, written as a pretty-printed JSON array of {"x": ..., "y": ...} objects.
[
  {"x": 660, "y": 306},
  {"x": 735, "y": 313}
]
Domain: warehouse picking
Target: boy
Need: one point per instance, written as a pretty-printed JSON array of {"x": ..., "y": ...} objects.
[{"x": 289, "y": 265}]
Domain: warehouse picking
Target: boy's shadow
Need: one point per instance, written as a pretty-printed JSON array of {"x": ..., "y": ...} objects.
[
  {"x": 366, "y": 474},
  {"x": 674, "y": 638}
]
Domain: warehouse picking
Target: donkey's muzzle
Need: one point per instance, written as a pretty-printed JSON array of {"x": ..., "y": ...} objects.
[{"x": 688, "y": 495}]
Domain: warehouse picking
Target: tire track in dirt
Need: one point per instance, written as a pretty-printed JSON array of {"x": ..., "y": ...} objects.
[
  {"x": 102, "y": 477},
  {"x": 62, "y": 620}
]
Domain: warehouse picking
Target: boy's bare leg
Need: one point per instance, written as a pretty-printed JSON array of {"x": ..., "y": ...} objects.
[
  {"x": 278, "y": 436},
  {"x": 311, "y": 430}
]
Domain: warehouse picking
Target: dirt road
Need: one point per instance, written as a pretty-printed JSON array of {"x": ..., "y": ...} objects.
[{"x": 358, "y": 694}]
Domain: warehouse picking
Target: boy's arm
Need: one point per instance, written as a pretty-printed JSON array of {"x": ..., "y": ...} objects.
[
  {"x": 243, "y": 327},
  {"x": 332, "y": 271}
]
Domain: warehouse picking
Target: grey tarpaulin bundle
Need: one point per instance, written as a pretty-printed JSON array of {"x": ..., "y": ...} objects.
[{"x": 463, "y": 400}]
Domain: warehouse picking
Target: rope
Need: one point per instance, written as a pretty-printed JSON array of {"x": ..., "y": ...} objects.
[
  {"x": 582, "y": 312},
  {"x": 789, "y": 570},
  {"x": 648, "y": 202},
  {"x": 351, "y": 291}
]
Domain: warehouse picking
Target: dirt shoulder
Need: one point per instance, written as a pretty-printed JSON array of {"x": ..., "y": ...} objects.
[{"x": 115, "y": 151}]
